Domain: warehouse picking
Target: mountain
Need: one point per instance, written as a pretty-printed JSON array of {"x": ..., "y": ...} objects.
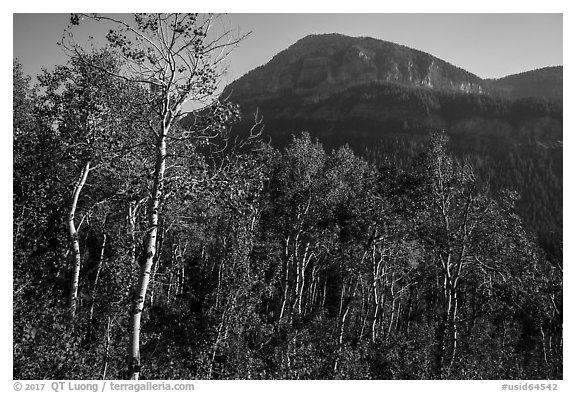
[
  {"x": 358, "y": 90},
  {"x": 383, "y": 99},
  {"x": 319, "y": 65},
  {"x": 543, "y": 82}
]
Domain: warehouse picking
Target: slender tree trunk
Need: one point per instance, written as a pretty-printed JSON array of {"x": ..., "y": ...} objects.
[
  {"x": 74, "y": 242},
  {"x": 375, "y": 316},
  {"x": 343, "y": 325},
  {"x": 375, "y": 292},
  {"x": 344, "y": 311},
  {"x": 95, "y": 286},
  {"x": 324, "y": 294},
  {"x": 286, "y": 276},
  {"x": 182, "y": 279},
  {"x": 454, "y": 327},
  {"x": 305, "y": 260},
  {"x": 439, "y": 347},
  {"x": 311, "y": 302},
  {"x": 301, "y": 289},
  {"x": 133, "y": 207},
  {"x": 392, "y": 320},
  {"x": 219, "y": 286},
  {"x": 409, "y": 310},
  {"x": 366, "y": 314},
  {"x": 296, "y": 297},
  {"x": 398, "y": 313},
  {"x": 106, "y": 349},
  {"x": 170, "y": 272},
  {"x": 215, "y": 346},
  {"x": 285, "y": 293},
  {"x": 342, "y": 321},
  {"x": 131, "y": 221},
  {"x": 147, "y": 257},
  {"x": 153, "y": 280},
  {"x": 156, "y": 264}
]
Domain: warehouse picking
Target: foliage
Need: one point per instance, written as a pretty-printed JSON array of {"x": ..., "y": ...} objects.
[{"x": 300, "y": 263}]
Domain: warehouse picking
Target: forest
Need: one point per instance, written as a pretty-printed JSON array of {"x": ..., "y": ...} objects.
[
  {"x": 512, "y": 143},
  {"x": 148, "y": 247}
]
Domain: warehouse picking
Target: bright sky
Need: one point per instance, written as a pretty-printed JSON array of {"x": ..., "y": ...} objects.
[{"x": 488, "y": 45}]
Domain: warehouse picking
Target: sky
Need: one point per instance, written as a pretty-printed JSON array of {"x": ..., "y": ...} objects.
[{"x": 488, "y": 45}]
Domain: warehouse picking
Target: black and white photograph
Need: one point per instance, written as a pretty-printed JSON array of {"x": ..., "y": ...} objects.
[{"x": 287, "y": 196}]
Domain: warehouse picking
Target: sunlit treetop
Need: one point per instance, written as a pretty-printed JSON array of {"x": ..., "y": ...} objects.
[{"x": 179, "y": 55}]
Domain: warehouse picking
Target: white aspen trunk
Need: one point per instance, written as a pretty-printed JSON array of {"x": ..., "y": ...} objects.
[
  {"x": 342, "y": 326},
  {"x": 398, "y": 315},
  {"x": 391, "y": 316},
  {"x": 183, "y": 281},
  {"x": 107, "y": 349},
  {"x": 324, "y": 294},
  {"x": 448, "y": 325},
  {"x": 410, "y": 311},
  {"x": 375, "y": 291},
  {"x": 366, "y": 315},
  {"x": 298, "y": 265},
  {"x": 345, "y": 309},
  {"x": 133, "y": 207},
  {"x": 170, "y": 274},
  {"x": 215, "y": 346},
  {"x": 314, "y": 288},
  {"x": 176, "y": 274},
  {"x": 375, "y": 320},
  {"x": 454, "y": 329},
  {"x": 155, "y": 265},
  {"x": 342, "y": 300},
  {"x": 147, "y": 257},
  {"x": 544, "y": 346},
  {"x": 286, "y": 276},
  {"x": 178, "y": 283},
  {"x": 152, "y": 280},
  {"x": 342, "y": 322},
  {"x": 74, "y": 242},
  {"x": 301, "y": 290},
  {"x": 95, "y": 287},
  {"x": 169, "y": 290},
  {"x": 550, "y": 343},
  {"x": 182, "y": 271},
  {"x": 131, "y": 221},
  {"x": 296, "y": 297},
  {"x": 444, "y": 322},
  {"x": 222, "y": 333},
  {"x": 220, "y": 270},
  {"x": 305, "y": 260}
]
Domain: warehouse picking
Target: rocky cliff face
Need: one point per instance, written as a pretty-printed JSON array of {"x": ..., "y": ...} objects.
[{"x": 320, "y": 65}]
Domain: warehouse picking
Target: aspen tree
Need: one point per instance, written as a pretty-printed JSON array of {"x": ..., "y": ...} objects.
[
  {"x": 180, "y": 58},
  {"x": 77, "y": 104}
]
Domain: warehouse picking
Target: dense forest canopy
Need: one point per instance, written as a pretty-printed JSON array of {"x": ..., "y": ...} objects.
[{"x": 145, "y": 247}]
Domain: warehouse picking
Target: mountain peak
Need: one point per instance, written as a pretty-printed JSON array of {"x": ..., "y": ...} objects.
[{"x": 321, "y": 64}]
